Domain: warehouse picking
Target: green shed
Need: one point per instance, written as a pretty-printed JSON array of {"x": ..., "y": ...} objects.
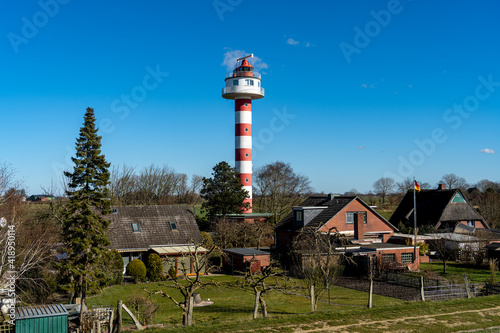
[{"x": 42, "y": 319}]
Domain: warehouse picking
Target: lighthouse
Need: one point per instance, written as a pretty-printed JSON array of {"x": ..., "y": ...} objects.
[{"x": 243, "y": 85}]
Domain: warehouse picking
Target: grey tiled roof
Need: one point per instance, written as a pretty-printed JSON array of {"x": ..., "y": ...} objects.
[{"x": 154, "y": 227}]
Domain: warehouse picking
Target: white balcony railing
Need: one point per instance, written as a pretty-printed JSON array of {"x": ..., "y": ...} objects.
[{"x": 243, "y": 90}]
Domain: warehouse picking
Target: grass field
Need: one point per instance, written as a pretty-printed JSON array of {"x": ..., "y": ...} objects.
[
  {"x": 455, "y": 271},
  {"x": 232, "y": 311}
]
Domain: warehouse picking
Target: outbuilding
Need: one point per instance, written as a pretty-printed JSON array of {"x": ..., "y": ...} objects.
[
  {"x": 42, "y": 318},
  {"x": 244, "y": 259}
]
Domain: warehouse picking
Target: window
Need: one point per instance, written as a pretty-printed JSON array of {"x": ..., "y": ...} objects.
[
  {"x": 364, "y": 218},
  {"x": 235, "y": 82},
  {"x": 246, "y": 129},
  {"x": 471, "y": 223},
  {"x": 406, "y": 257},
  {"x": 246, "y": 154},
  {"x": 349, "y": 217},
  {"x": 246, "y": 180},
  {"x": 458, "y": 198},
  {"x": 386, "y": 258},
  {"x": 246, "y": 104},
  {"x": 248, "y": 82},
  {"x": 251, "y": 82},
  {"x": 115, "y": 211},
  {"x": 298, "y": 215},
  {"x": 135, "y": 227},
  {"x": 173, "y": 225}
]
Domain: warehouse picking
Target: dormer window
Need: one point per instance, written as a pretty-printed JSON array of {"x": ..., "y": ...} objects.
[
  {"x": 173, "y": 225},
  {"x": 136, "y": 227},
  {"x": 299, "y": 215},
  {"x": 115, "y": 211}
]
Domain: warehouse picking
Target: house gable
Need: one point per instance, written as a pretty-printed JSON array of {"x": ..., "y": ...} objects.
[{"x": 375, "y": 224}]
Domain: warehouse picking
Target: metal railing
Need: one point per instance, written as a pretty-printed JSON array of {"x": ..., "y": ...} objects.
[{"x": 243, "y": 74}]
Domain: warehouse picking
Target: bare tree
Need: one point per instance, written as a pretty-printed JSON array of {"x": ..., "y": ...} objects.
[
  {"x": 122, "y": 184},
  {"x": 256, "y": 282},
  {"x": 485, "y": 185},
  {"x": 445, "y": 250},
  {"x": 405, "y": 185},
  {"x": 277, "y": 188},
  {"x": 384, "y": 186},
  {"x": 453, "y": 181},
  {"x": 317, "y": 262},
  {"x": 191, "y": 279}
]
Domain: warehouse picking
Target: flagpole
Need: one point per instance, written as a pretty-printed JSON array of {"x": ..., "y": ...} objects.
[{"x": 415, "y": 218}]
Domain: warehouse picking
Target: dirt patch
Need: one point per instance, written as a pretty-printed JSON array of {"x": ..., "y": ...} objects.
[{"x": 380, "y": 288}]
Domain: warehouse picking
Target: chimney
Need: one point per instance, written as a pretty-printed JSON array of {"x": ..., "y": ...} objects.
[
  {"x": 441, "y": 187},
  {"x": 359, "y": 226}
]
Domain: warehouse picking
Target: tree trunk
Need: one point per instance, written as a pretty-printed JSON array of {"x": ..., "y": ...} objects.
[
  {"x": 444, "y": 266},
  {"x": 187, "y": 317},
  {"x": 256, "y": 305},
  {"x": 263, "y": 306},
  {"x": 81, "y": 303}
]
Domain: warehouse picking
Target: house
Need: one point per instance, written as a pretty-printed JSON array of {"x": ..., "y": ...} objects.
[
  {"x": 442, "y": 209},
  {"x": 169, "y": 231},
  {"x": 243, "y": 259},
  {"x": 321, "y": 213},
  {"x": 388, "y": 256}
]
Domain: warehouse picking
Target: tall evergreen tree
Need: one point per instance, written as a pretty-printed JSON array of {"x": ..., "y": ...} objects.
[
  {"x": 85, "y": 228},
  {"x": 224, "y": 194}
]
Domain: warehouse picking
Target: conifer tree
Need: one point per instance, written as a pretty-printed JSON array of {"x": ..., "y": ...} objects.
[
  {"x": 224, "y": 194},
  {"x": 84, "y": 227}
]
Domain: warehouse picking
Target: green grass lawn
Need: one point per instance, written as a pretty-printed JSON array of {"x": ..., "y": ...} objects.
[
  {"x": 455, "y": 271},
  {"x": 233, "y": 304}
]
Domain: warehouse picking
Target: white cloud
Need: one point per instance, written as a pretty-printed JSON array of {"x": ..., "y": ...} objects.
[
  {"x": 361, "y": 147},
  {"x": 487, "y": 151},
  {"x": 308, "y": 44},
  {"x": 364, "y": 85},
  {"x": 230, "y": 57},
  {"x": 292, "y": 41}
]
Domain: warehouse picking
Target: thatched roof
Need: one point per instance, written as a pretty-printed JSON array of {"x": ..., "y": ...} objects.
[{"x": 434, "y": 207}]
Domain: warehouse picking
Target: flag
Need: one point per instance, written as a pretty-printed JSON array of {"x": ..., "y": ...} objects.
[{"x": 417, "y": 187}]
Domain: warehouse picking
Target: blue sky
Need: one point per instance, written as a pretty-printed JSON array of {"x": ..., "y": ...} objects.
[{"x": 355, "y": 90}]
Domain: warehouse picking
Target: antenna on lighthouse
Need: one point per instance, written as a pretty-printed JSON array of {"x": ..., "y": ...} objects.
[{"x": 248, "y": 56}]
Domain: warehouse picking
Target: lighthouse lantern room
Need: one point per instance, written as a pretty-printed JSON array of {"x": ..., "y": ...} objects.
[{"x": 243, "y": 85}]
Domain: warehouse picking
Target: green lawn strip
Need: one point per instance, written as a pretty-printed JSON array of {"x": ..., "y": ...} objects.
[
  {"x": 455, "y": 271},
  {"x": 353, "y": 316},
  {"x": 233, "y": 308}
]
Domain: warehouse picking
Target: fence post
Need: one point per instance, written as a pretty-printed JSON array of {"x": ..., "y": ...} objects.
[
  {"x": 313, "y": 300},
  {"x": 467, "y": 287},
  {"x": 422, "y": 291},
  {"x": 119, "y": 317},
  {"x": 370, "y": 297}
]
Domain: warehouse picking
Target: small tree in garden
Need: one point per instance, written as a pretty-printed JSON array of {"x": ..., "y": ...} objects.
[
  {"x": 316, "y": 261},
  {"x": 256, "y": 282},
  {"x": 154, "y": 267},
  {"x": 136, "y": 269},
  {"x": 191, "y": 279}
]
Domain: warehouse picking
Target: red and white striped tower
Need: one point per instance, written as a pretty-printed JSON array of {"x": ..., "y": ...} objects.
[{"x": 243, "y": 85}]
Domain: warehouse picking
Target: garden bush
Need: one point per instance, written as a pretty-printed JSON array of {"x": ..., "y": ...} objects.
[{"x": 136, "y": 269}]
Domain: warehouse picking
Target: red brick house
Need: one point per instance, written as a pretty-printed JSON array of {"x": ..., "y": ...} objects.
[
  {"x": 320, "y": 213},
  {"x": 441, "y": 209}
]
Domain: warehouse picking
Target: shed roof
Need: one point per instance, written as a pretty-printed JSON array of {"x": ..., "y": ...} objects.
[
  {"x": 247, "y": 251},
  {"x": 182, "y": 249},
  {"x": 39, "y": 311}
]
